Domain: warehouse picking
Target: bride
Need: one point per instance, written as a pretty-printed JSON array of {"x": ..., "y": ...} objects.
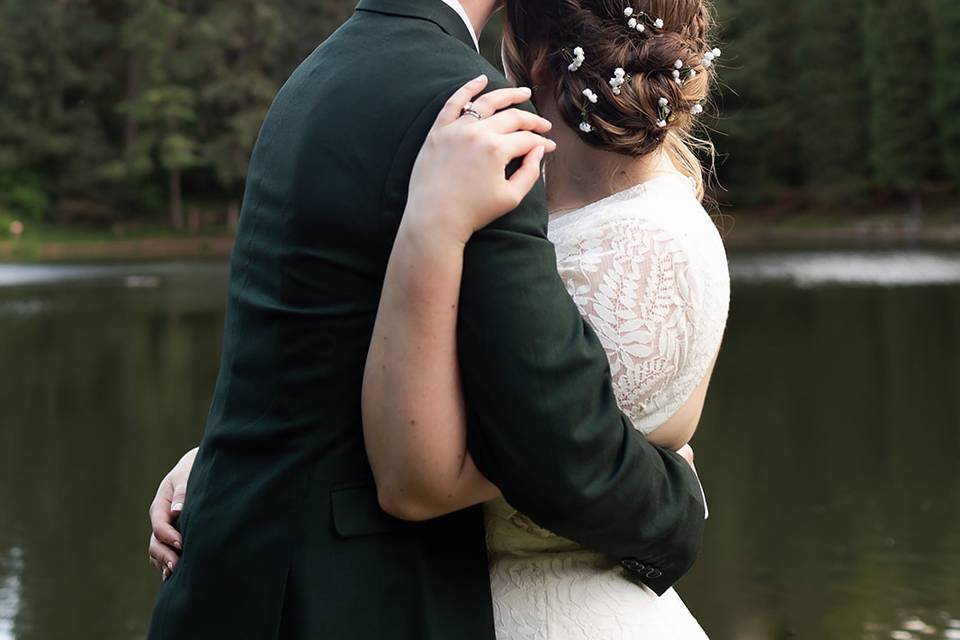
[{"x": 638, "y": 254}]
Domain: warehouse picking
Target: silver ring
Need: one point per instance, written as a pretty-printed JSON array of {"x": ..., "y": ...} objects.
[{"x": 468, "y": 110}]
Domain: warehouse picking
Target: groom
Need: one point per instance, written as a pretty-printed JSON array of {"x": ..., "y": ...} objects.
[{"x": 282, "y": 534}]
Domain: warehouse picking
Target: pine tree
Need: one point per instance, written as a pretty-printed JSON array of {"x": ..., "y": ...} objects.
[
  {"x": 899, "y": 66},
  {"x": 756, "y": 104},
  {"x": 947, "y": 92},
  {"x": 242, "y": 41},
  {"x": 831, "y": 100},
  {"x": 164, "y": 107},
  {"x": 57, "y": 64}
]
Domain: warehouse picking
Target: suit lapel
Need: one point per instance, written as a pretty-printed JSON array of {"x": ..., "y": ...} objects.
[{"x": 433, "y": 11}]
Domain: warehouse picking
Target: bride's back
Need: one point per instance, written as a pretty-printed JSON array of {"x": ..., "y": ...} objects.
[{"x": 647, "y": 268}]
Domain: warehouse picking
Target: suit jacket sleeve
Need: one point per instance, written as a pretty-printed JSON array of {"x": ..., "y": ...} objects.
[{"x": 543, "y": 422}]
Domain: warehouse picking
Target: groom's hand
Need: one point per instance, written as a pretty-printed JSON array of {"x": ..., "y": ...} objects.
[
  {"x": 165, "y": 540},
  {"x": 686, "y": 452}
]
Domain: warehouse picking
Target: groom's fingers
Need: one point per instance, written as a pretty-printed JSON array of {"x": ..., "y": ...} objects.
[
  {"x": 527, "y": 175},
  {"x": 517, "y": 120},
  {"x": 453, "y": 109}
]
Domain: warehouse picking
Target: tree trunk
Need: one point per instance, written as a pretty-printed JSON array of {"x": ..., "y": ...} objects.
[{"x": 176, "y": 200}]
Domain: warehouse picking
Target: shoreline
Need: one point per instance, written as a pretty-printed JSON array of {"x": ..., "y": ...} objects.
[
  {"x": 754, "y": 237},
  {"x": 146, "y": 248},
  {"x": 746, "y": 237}
]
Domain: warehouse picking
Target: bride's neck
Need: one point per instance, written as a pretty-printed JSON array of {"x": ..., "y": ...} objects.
[{"x": 577, "y": 174}]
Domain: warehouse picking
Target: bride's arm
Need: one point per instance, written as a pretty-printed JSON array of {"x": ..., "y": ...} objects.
[
  {"x": 413, "y": 412},
  {"x": 413, "y": 409}
]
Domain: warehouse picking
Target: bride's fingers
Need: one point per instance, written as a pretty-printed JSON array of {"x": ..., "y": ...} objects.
[
  {"x": 519, "y": 144},
  {"x": 498, "y": 99},
  {"x": 517, "y": 120},
  {"x": 527, "y": 175},
  {"x": 161, "y": 556},
  {"x": 455, "y": 103}
]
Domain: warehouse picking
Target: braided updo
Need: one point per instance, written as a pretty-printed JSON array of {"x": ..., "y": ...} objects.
[{"x": 540, "y": 37}]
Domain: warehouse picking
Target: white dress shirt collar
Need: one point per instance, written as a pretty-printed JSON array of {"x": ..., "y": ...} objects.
[{"x": 456, "y": 6}]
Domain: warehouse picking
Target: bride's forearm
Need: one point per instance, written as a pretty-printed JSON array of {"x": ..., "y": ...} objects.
[{"x": 413, "y": 413}]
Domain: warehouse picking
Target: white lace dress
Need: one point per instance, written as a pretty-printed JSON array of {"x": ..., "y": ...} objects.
[{"x": 648, "y": 270}]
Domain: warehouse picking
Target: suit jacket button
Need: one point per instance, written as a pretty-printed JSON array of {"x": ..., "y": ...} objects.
[
  {"x": 632, "y": 564},
  {"x": 653, "y": 574}
]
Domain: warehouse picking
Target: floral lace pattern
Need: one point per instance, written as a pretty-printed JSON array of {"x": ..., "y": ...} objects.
[
  {"x": 648, "y": 271},
  {"x": 653, "y": 283}
]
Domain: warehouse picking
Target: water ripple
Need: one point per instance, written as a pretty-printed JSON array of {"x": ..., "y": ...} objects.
[
  {"x": 145, "y": 275},
  {"x": 12, "y": 566},
  {"x": 812, "y": 269}
]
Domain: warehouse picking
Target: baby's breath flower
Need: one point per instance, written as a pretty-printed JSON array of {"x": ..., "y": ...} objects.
[
  {"x": 578, "y": 58},
  {"x": 618, "y": 80}
]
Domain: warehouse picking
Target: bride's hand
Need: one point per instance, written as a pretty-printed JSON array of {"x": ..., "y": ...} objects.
[
  {"x": 165, "y": 541},
  {"x": 459, "y": 182}
]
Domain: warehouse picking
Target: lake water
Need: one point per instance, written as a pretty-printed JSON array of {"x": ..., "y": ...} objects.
[{"x": 830, "y": 446}]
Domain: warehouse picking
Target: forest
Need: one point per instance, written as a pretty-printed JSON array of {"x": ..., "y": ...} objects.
[{"x": 113, "y": 110}]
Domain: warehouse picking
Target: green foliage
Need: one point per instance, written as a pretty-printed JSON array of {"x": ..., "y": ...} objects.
[
  {"x": 831, "y": 99},
  {"x": 241, "y": 41},
  {"x": 5, "y": 221},
  {"x": 947, "y": 81},
  {"x": 902, "y": 138},
  {"x": 756, "y": 108},
  {"x": 143, "y": 104},
  {"x": 23, "y": 196}
]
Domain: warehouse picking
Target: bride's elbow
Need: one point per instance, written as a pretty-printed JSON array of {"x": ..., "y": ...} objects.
[{"x": 402, "y": 505}]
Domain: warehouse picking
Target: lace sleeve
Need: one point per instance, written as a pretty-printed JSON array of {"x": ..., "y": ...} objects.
[{"x": 633, "y": 280}]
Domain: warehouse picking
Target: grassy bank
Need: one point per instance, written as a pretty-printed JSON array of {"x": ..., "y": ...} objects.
[
  {"x": 68, "y": 244},
  {"x": 827, "y": 230}
]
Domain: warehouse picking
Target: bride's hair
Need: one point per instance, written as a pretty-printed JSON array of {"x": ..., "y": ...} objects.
[{"x": 578, "y": 45}]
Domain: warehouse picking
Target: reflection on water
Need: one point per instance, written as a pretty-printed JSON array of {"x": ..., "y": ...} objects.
[
  {"x": 828, "y": 448},
  {"x": 134, "y": 276},
  {"x": 807, "y": 269},
  {"x": 11, "y": 565}
]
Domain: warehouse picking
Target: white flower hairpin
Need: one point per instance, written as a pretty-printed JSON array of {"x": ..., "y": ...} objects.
[
  {"x": 575, "y": 58},
  {"x": 619, "y": 79},
  {"x": 696, "y": 109},
  {"x": 709, "y": 57},
  {"x": 664, "y": 112},
  {"x": 682, "y": 72},
  {"x": 639, "y": 20},
  {"x": 592, "y": 98}
]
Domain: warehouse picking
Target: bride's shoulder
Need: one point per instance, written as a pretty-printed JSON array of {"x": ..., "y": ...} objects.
[{"x": 664, "y": 208}]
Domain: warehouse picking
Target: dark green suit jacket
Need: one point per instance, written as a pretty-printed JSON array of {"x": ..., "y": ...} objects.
[{"x": 283, "y": 536}]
